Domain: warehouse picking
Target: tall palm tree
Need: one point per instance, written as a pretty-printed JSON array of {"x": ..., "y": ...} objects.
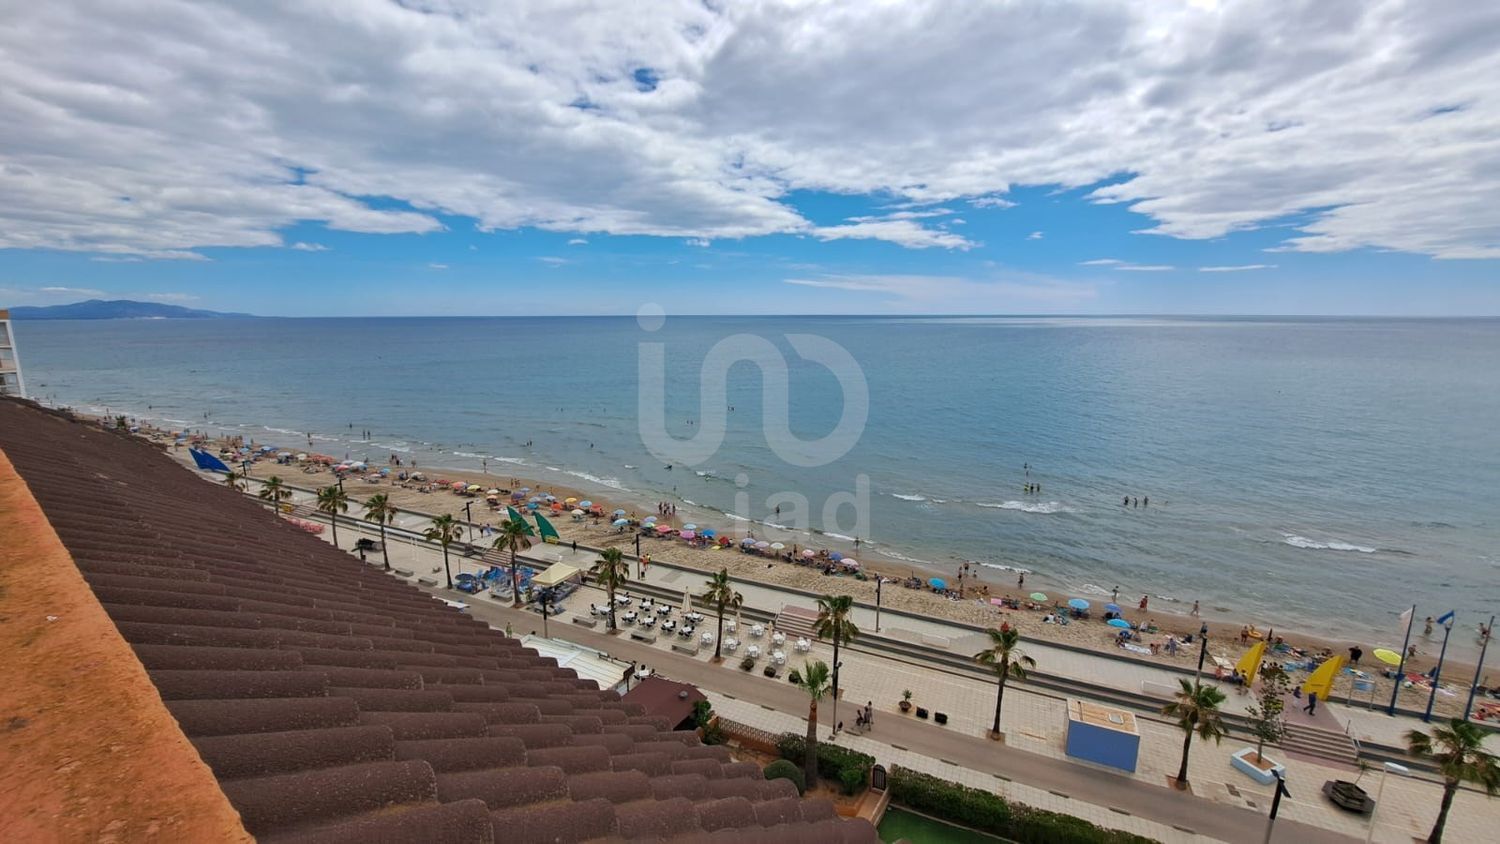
[
  {"x": 234, "y": 480},
  {"x": 722, "y": 596},
  {"x": 814, "y": 681},
  {"x": 1005, "y": 656},
  {"x": 513, "y": 537},
  {"x": 274, "y": 491},
  {"x": 381, "y": 511},
  {"x": 445, "y": 531},
  {"x": 612, "y": 571},
  {"x": 1197, "y": 711},
  {"x": 833, "y": 623},
  {"x": 333, "y": 501},
  {"x": 1458, "y": 750}
]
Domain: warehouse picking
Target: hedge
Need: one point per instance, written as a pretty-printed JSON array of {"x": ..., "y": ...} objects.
[
  {"x": 783, "y": 769},
  {"x": 849, "y": 768},
  {"x": 994, "y": 814}
]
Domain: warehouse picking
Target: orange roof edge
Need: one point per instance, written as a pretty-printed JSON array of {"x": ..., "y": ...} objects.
[{"x": 87, "y": 749}]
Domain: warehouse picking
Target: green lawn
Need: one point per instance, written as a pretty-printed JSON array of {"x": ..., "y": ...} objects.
[{"x": 918, "y": 829}]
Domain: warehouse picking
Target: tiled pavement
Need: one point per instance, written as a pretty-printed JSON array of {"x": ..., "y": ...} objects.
[{"x": 1034, "y": 722}]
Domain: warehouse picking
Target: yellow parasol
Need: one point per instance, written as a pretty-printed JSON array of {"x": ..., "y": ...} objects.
[
  {"x": 1321, "y": 680},
  {"x": 570, "y": 501},
  {"x": 1249, "y": 664},
  {"x": 1387, "y": 656}
]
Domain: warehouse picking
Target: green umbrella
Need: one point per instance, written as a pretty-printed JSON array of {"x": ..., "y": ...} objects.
[{"x": 1038, "y": 596}]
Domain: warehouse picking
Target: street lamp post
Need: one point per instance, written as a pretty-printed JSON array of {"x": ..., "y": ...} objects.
[
  {"x": 1437, "y": 672},
  {"x": 469, "y": 518},
  {"x": 1281, "y": 791},
  {"x": 1202, "y": 652},
  {"x": 1390, "y": 768},
  {"x": 879, "y": 581},
  {"x": 1484, "y": 645},
  {"x": 544, "y": 597}
]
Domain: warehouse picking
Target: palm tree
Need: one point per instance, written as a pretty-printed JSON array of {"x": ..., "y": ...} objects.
[
  {"x": 381, "y": 511},
  {"x": 1197, "y": 711},
  {"x": 1007, "y": 659},
  {"x": 234, "y": 480},
  {"x": 613, "y": 571},
  {"x": 833, "y": 623},
  {"x": 445, "y": 531},
  {"x": 1458, "y": 750},
  {"x": 513, "y": 537},
  {"x": 333, "y": 501},
  {"x": 721, "y": 595},
  {"x": 814, "y": 681},
  {"x": 275, "y": 492}
]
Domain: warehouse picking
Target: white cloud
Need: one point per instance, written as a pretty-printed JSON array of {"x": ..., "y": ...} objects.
[
  {"x": 70, "y": 291},
  {"x": 700, "y": 242},
  {"x": 157, "y": 129},
  {"x": 956, "y": 294},
  {"x": 309, "y": 247},
  {"x": 553, "y": 260},
  {"x": 1238, "y": 269},
  {"x": 436, "y": 266},
  {"x": 172, "y": 298},
  {"x": 578, "y": 241},
  {"x": 1126, "y": 266},
  {"x": 1034, "y": 236}
]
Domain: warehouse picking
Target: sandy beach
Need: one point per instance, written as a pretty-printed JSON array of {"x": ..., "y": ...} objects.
[{"x": 972, "y": 608}]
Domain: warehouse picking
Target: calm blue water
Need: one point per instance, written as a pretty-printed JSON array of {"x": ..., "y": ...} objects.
[{"x": 1323, "y": 472}]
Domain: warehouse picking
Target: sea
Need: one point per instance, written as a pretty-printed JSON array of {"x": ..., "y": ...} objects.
[{"x": 1322, "y": 474}]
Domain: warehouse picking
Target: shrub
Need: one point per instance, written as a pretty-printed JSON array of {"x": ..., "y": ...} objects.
[
  {"x": 782, "y": 769},
  {"x": 992, "y": 813},
  {"x": 746, "y": 664},
  {"x": 794, "y": 676},
  {"x": 849, "y": 768}
]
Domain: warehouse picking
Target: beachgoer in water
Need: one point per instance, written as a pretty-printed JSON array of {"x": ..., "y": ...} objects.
[
  {"x": 1135, "y": 502},
  {"x": 1126, "y": 502},
  {"x": 1146, "y": 502},
  {"x": 1143, "y": 603},
  {"x": 1427, "y": 626}
]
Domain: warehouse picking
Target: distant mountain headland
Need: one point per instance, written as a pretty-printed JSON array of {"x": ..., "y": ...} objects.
[{"x": 117, "y": 309}]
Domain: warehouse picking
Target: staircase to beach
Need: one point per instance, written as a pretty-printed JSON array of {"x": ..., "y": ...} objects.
[
  {"x": 797, "y": 621},
  {"x": 1320, "y": 744}
]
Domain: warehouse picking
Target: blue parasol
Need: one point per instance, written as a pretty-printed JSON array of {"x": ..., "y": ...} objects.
[
  {"x": 938, "y": 583},
  {"x": 1078, "y": 604},
  {"x": 1112, "y": 607},
  {"x": 1119, "y": 622}
]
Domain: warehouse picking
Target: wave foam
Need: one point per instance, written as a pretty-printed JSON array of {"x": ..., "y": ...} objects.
[
  {"x": 1027, "y": 506},
  {"x": 612, "y": 483},
  {"x": 1004, "y": 567},
  {"x": 906, "y": 497},
  {"x": 1333, "y": 545}
]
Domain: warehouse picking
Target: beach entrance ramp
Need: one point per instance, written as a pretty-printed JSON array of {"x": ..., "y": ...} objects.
[{"x": 797, "y": 621}]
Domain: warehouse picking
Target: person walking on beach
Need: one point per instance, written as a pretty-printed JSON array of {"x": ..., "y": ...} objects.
[
  {"x": 1195, "y": 608},
  {"x": 1354, "y": 654},
  {"x": 1143, "y": 603},
  {"x": 1021, "y": 581},
  {"x": 1114, "y": 597}
]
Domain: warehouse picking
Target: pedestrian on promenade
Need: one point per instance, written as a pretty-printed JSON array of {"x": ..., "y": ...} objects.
[{"x": 1312, "y": 704}]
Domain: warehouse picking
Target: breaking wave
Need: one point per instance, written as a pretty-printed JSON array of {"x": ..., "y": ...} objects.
[{"x": 1027, "y": 506}]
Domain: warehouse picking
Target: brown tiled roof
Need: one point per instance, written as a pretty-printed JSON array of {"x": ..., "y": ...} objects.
[
  {"x": 334, "y": 703},
  {"x": 668, "y": 699}
]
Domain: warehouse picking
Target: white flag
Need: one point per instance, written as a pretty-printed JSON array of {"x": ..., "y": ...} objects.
[{"x": 1406, "y": 619}]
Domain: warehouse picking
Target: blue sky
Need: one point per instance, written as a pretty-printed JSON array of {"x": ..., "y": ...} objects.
[{"x": 520, "y": 157}]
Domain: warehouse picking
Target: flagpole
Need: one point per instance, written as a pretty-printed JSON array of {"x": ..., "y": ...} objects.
[
  {"x": 1401, "y": 669},
  {"x": 1483, "y": 646},
  {"x": 1437, "y": 673}
]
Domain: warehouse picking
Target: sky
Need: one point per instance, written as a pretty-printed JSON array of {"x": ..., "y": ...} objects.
[{"x": 459, "y": 157}]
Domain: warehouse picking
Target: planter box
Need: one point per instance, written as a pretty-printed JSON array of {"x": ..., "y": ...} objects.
[{"x": 1264, "y": 773}]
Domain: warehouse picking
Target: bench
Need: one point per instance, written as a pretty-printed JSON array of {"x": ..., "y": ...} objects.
[
  {"x": 404, "y": 572},
  {"x": 643, "y": 636},
  {"x": 585, "y": 621},
  {"x": 1160, "y": 690},
  {"x": 427, "y": 581},
  {"x": 685, "y": 648},
  {"x": 496, "y": 596}
]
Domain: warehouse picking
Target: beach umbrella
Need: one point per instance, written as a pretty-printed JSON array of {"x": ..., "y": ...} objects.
[
  {"x": 1038, "y": 596},
  {"x": 762, "y": 544},
  {"x": 549, "y": 498},
  {"x": 938, "y": 583},
  {"x": 492, "y": 492},
  {"x": 777, "y": 546},
  {"x": 585, "y": 504},
  {"x": 749, "y": 540},
  {"x": 690, "y": 527},
  {"x": 577, "y": 512},
  {"x": 707, "y": 534},
  {"x": 649, "y": 520},
  {"x": 1112, "y": 607},
  {"x": 835, "y": 556},
  {"x": 532, "y": 505},
  {"x": 474, "y": 487},
  {"x": 620, "y": 522},
  {"x": 687, "y": 534},
  {"x": 1388, "y": 657},
  {"x": 1119, "y": 622},
  {"x": 849, "y": 563},
  {"x": 570, "y": 500},
  {"x": 663, "y": 528},
  {"x": 1078, "y": 604},
  {"x": 523, "y": 490},
  {"x": 808, "y": 553},
  {"x": 619, "y": 512}
]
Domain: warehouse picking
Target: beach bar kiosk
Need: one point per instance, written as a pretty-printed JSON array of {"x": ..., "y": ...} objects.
[{"x": 1103, "y": 735}]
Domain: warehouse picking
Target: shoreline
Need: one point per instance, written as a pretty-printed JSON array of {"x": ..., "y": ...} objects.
[{"x": 1090, "y": 634}]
